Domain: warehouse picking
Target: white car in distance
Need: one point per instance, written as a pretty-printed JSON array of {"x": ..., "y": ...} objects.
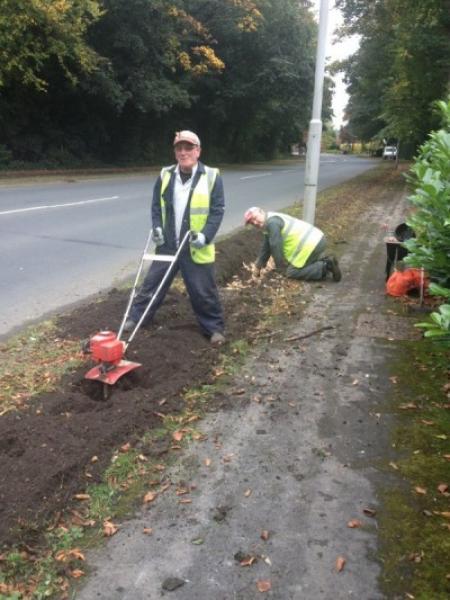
[{"x": 390, "y": 152}]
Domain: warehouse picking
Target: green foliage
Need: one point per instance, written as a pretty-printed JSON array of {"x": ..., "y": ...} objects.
[
  {"x": 430, "y": 177},
  {"x": 34, "y": 32},
  {"x": 400, "y": 69},
  {"x": 109, "y": 82},
  {"x": 439, "y": 324},
  {"x": 430, "y": 249}
]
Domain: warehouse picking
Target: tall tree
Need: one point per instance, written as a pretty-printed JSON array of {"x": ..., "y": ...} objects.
[
  {"x": 401, "y": 68},
  {"x": 33, "y": 32}
]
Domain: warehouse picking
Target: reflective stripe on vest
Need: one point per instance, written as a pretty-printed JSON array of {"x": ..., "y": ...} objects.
[
  {"x": 299, "y": 239},
  {"x": 198, "y": 209}
]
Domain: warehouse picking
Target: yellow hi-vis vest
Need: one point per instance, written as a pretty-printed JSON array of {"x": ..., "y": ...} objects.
[
  {"x": 299, "y": 239},
  {"x": 198, "y": 210}
]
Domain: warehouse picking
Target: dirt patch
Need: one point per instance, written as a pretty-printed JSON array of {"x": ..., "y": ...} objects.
[{"x": 46, "y": 446}]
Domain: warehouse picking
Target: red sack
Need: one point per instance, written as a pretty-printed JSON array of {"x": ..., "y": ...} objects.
[{"x": 401, "y": 283}]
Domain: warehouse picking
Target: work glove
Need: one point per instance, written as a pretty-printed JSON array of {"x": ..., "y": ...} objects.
[
  {"x": 157, "y": 236},
  {"x": 198, "y": 240}
]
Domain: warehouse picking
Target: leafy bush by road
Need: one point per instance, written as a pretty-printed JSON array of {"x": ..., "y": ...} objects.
[{"x": 430, "y": 249}]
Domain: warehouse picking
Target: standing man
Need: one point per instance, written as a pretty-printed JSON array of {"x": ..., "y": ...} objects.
[
  {"x": 293, "y": 244},
  {"x": 187, "y": 196}
]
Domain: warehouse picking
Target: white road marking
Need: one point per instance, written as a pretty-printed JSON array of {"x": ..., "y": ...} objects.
[
  {"x": 255, "y": 176},
  {"x": 30, "y": 208}
]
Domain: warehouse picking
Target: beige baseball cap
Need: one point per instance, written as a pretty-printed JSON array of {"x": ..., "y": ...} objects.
[{"x": 186, "y": 136}]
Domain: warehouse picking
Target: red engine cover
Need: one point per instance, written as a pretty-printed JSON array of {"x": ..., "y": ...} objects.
[
  {"x": 109, "y": 351},
  {"x": 105, "y": 347}
]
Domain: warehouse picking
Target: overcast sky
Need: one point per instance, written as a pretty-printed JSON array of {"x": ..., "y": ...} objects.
[{"x": 337, "y": 51}]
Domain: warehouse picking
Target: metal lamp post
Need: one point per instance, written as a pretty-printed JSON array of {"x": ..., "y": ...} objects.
[{"x": 315, "y": 125}]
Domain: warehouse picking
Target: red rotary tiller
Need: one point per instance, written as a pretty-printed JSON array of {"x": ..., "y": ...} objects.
[{"x": 107, "y": 348}]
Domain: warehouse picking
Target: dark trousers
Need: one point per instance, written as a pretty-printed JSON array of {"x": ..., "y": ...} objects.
[
  {"x": 200, "y": 284},
  {"x": 314, "y": 269}
]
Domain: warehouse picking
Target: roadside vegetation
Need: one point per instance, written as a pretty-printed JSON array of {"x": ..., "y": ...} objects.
[
  {"x": 240, "y": 73},
  {"x": 430, "y": 179},
  {"x": 399, "y": 70}
]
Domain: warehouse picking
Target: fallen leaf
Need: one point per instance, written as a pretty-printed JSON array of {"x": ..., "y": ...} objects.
[
  {"x": 185, "y": 501},
  {"x": 147, "y": 530},
  {"x": 182, "y": 491},
  {"x": 65, "y": 555},
  {"x": 248, "y": 493},
  {"x": 177, "y": 436},
  {"x": 82, "y": 497},
  {"x": 197, "y": 541},
  {"x": 77, "y": 573},
  {"x": 370, "y": 512},
  {"x": 354, "y": 523},
  {"x": 441, "y": 437},
  {"x": 446, "y": 456},
  {"x": 109, "y": 528},
  {"x": 355, "y": 382},
  {"x": 416, "y": 557},
  {"x": 264, "y": 535},
  {"x": 408, "y": 406},
  {"x": 238, "y": 392},
  {"x": 192, "y": 419},
  {"x": 149, "y": 497},
  {"x": 420, "y": 490},
  {"x": 227, "y": 458},
  {"x": 340, "y": 563},
  {"x": 393, "y": 465},
  {"x": 264, "y": 585},
  {"x": 94, "y": 459},
  {"x": 444, "y": 514},
  {"x": 247, "y": 562},
  {"x": 126, "y": 447},
  {"x": 443, "y": 488},
  {"x": 426, "y": 422},
  {"x": 393, "y": 379},
  {"x": 207, "y": 462}
]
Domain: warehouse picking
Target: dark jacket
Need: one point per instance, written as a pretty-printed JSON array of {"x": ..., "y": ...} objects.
[{"x": 216, "y": 209}]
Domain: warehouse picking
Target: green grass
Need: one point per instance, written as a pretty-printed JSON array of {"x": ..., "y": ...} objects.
[
  {"x": 33, "y": 363},
  {"x": 415, "y": 537}
]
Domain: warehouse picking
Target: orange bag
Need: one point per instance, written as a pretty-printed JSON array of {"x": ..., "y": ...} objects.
[{"x": 401, "y": 283}]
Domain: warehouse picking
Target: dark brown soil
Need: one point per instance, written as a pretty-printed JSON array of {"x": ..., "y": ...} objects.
[{"x": 46, "y": 447}]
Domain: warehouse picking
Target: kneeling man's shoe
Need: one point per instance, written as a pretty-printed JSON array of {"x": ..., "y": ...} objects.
[
  {"x": 333, "y": 268},
  {"x": 217, "y": 338}
]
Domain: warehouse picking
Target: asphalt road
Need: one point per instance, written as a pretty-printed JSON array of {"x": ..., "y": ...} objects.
[{"x": 63, "y": 241}]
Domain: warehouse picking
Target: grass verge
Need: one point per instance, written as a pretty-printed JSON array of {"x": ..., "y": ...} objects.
[{"x": 415, "y": 520}]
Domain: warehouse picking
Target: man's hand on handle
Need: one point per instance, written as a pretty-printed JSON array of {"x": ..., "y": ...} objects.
[
  {"x": 197, "y": 239},
  {"x": 158, "y": 236}
]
